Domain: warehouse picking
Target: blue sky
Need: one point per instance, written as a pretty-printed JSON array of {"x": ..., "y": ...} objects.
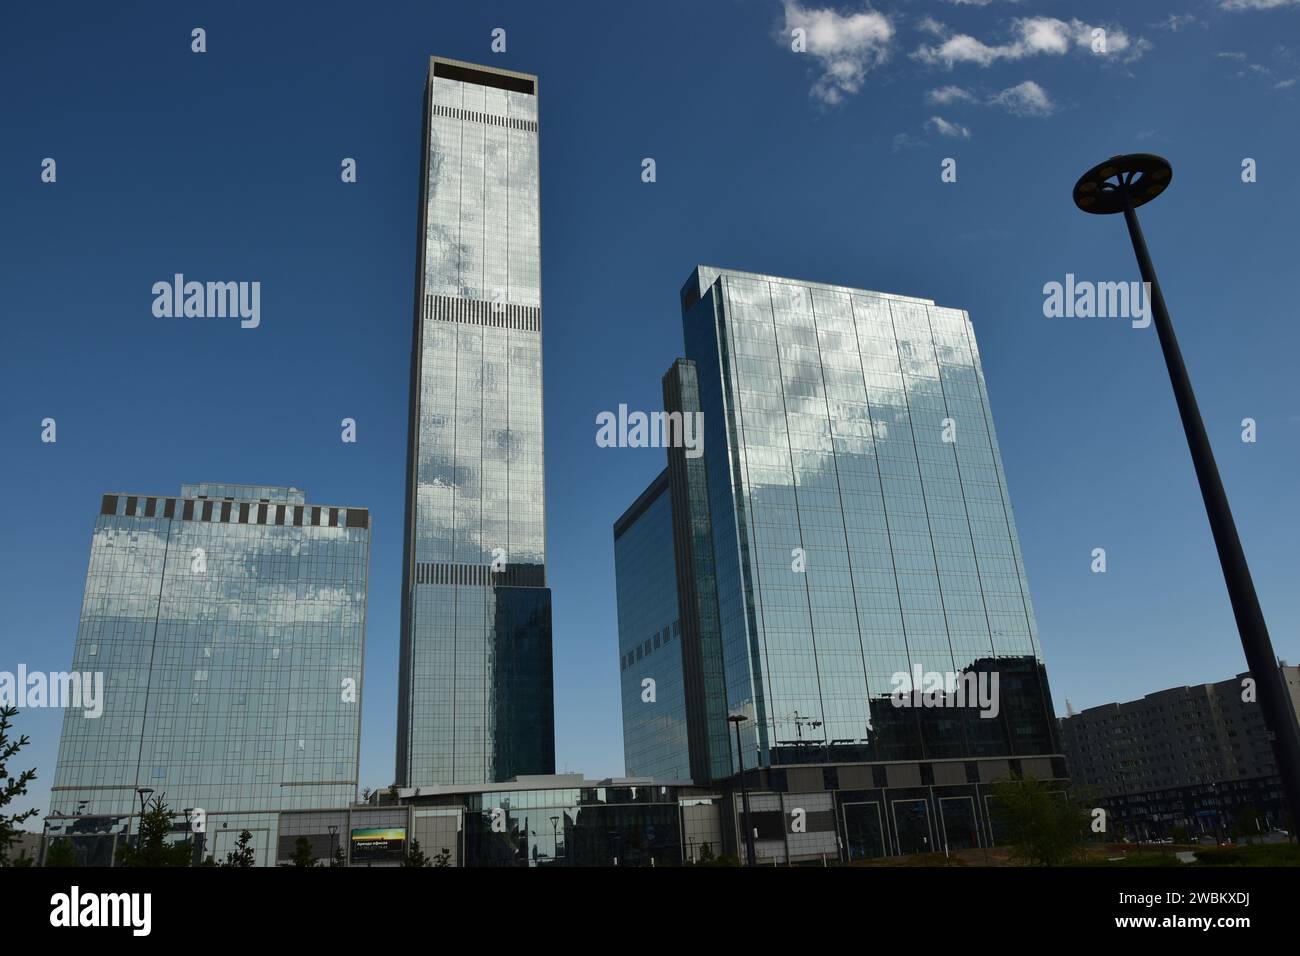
[{"x": 822, "y": 165}]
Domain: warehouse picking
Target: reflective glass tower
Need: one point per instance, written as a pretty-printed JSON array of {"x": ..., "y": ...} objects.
[
  {"x": 474, "y": 701},
  {"x": 229, "y": 625},
  {"x": 861, "y": 523},
  {"x": 847, "y": 522}
]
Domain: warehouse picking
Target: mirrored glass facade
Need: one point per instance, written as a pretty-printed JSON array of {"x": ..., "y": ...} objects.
[
  {"x": 229, "y": 626},
  {"x": 861, "y": 523},
  {"x": 649, "y": 639},
  {"x": 474, "y": 700}
]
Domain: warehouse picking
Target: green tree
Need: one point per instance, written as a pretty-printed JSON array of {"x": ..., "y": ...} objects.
[
  {"x": 11, "y": 787},
  {"x": 243, "y": 855},
  {"x": 339, "y": 859},
  {"x": 442, "y": 858},
  {"x": 152, "y": 848},
  {"x": 59, "y": 853},
  {"x": 1043, "y": 826},
  {"x": 415, "y": 856},
  {"x": 303, "y": 857}
]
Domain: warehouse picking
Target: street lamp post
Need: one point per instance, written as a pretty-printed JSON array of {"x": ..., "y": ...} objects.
[
  {"x": 144, "y": 793},
  {"x": 1121, "y": 184},
  {"x": 737, "y": 720},
  {"x": 196, "y": 854}
]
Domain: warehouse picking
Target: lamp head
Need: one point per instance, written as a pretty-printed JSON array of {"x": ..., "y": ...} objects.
[{"x": 1140, "y": 176}]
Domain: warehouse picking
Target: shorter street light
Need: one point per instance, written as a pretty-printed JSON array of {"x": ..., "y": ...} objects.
[
  {"x": 145, "y": 793},
  {"x": 737, "y": 720}
]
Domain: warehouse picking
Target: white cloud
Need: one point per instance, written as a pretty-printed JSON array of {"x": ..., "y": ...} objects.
[
  {"x": 1034, "y": 36},
  {"x": 1283, "y": 66},
  {"x": 1175, "y": 22},
  {"x": 928, "y": 24},
  {"x": 937, "y": 124},
  {"x": 1025, "y": 99},
  {"x": 949, "y": 94},
  {"x": 903, "y": 141},
  {"x": 1256, "y": 4},
  {"x": 846, "y": 47}
]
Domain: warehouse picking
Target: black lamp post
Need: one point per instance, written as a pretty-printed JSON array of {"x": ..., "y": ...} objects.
[
  {"x": 1121, "y": 184},
  {"x": 144, "y": 793},
  {"x": 737, "y": 720}
]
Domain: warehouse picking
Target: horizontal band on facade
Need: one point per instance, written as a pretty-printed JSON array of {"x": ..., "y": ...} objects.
[
  {"x": 497, "y": 315},
  {"x": 481, "y": 575},
  {"x": 230, "y": 511},
  {"x": 491, "y": 119}
]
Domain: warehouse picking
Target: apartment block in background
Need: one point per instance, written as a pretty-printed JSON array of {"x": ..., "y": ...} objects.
[{"x": 1196, "y": 758}]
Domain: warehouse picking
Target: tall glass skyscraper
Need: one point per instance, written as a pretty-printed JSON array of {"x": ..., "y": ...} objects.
[
  {"x": 229, "y": 625},
  {"x": 474, "y": 701},
  {"x": 853, "y": 525}
]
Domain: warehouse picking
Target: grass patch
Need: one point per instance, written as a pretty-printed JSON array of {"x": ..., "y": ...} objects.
[{"x": 1253, "y": 854}]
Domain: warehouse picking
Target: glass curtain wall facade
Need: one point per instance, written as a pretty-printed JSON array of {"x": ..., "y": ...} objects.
[
  {"x": 704, "y": 677},
  {"x": 649, "y": 639},
  {"x": 474, "y": 700},
  {"x": 861, "y": 523},
  {"x": 229, "y": 626}
]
